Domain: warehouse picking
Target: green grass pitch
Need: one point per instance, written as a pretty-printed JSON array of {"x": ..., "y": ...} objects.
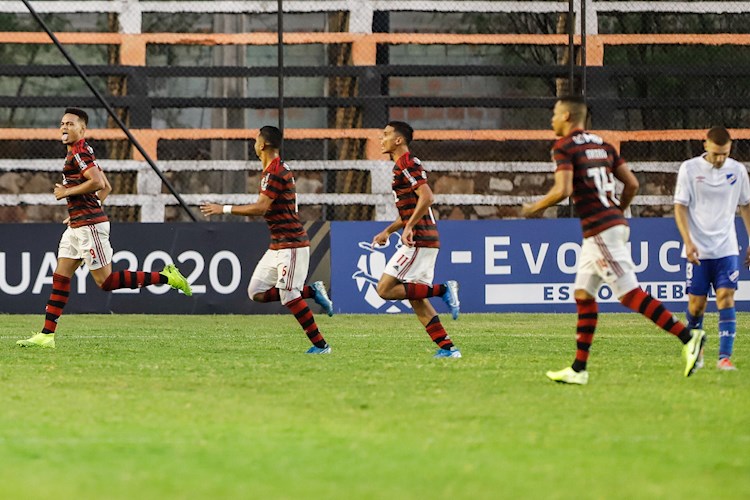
[{"x": 229, "y": 407}]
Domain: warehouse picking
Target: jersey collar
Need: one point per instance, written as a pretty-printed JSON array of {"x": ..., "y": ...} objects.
[{"x": 276, "y": 161}]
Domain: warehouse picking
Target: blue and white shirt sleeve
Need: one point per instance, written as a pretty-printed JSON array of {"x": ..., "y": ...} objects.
[{"x": 682, "y": 191}]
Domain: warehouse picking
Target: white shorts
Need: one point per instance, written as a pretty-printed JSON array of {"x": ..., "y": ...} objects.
[
  {"x": 285, "y": 269},
  {"x": 90, "y": 243},
  {"x": 605, "y": 258},
  {"x": 413, "y": 264}
]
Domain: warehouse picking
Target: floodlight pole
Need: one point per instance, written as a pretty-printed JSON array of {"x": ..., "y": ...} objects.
[{"x": 109, "y": 109}]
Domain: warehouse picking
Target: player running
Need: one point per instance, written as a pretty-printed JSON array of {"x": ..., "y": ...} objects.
[
  {"x": 409, "y": 273},
  {"x": 586, "y": 171},
  {"x": 86, "y": 239},
  {"x": 281, "y": 273}
]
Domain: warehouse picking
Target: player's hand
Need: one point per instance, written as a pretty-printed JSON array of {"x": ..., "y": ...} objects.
[
  {"x": 747, "y": 257},
  {"x": 527, "y": 210},
  {"x": 407, "y": 236},
  {"x": 212, "y": 209},
  {"x": 66, "y": 221},
  {"x": 380, "y": 239},
  {"x": 60, "y": 191},
  {"x": 691, "y": 253}
]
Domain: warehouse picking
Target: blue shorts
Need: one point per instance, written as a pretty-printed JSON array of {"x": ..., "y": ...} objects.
[{"x": 721, "y": 273}]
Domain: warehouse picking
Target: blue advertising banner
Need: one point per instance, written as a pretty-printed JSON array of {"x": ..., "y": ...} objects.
[
  {"x": 217, "y": 258},
  {"x": 511, "y": 265}
]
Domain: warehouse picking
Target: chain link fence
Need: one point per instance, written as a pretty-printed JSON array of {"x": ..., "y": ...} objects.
[{"x": 477, "y": 81}]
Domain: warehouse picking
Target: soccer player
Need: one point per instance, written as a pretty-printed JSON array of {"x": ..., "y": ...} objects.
[
  {"x": 409, "y": 273},
  {"x": 709, "y": 189},
  {"x": 86, "y": 239},
  {"x": 586, "y": 171},
  {"x": 281, "y": 273}
]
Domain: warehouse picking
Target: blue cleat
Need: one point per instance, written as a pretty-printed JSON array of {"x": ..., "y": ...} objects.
[
  {"x": 322, "y": 298},
  {"x": 451, "y": 298},
  {"x": 319, "y": 350},
  {"x": 447, "y": 353}
]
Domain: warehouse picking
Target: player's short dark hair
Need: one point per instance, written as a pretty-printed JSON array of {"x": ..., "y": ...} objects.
[
  {"x": 719, "y": 136},
  {"x": 403, "y": 129},
  {"x": 79, "y": 113},
  {"x": 272, "y": 136},
  {"x": 576, "y": 106}
]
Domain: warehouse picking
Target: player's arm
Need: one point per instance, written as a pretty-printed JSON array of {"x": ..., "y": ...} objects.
[
  {"x": 106, "y": 190},
  {"x": 425, "y": 199},
  {"x": 260, "y": 207},
  {"x": 681, "y": 218},
  {"x": 382, "y": 237},
  {"x": 630, "y": 184},
  {"x": 562, "y": 189},
  {"x": 94, "y": 182},
  {"x": 745, "y": 214}
]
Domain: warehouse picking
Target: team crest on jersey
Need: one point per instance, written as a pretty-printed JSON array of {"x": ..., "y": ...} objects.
[
  {"x": 731, "y": 179},
  {"x": 370, "y": 266}
]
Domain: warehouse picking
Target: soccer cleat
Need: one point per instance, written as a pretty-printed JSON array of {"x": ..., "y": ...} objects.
[
  {"x": 447, "y": 353},
  {"x": 319, "y": 350},
  {"x": 451, "y": 297},
  {"x": 692, "y": 350},
  {"x": 176, "y": 279},
  {"x": 725, "y": 364},
  {"x": 569, "y": 376},
  {"x": 44, "y": 340},
  {"x": 321, "y": 297}
]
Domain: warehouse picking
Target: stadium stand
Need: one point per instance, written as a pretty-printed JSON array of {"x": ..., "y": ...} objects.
[{"x": 478, "y": 94}]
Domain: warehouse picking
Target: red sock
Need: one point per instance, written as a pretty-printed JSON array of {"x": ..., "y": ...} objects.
[
  {"x": 307, "y": 321},
  {"x": 56, "y": 303},
  {"x": 438, "y": 334},
  {"x": 639, "y": 301},
  {"x": 133, "y": 279},
  {"x": 270, "y": 295},
  {"x": 420, "y": 291},
  {"x": 588, "y": 314}
]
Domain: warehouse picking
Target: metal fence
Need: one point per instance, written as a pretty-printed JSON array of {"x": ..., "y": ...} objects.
[{"x": 477, "y": 79}]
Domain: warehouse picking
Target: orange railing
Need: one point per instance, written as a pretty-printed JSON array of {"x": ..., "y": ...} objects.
[{"x": 364, "y": 47}]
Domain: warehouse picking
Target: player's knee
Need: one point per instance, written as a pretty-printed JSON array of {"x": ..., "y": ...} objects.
[{"x": 382, "y": 290}]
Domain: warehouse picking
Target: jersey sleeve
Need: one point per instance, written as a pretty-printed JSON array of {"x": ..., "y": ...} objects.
[
  {"x": 85, "y": 160},
  {"x": 617, "y": 160},
  {"x": 271, "y": 185},
  {"x": 561, "y": 158},
  {"x": 682, "y": 188},
  {"x": 745, "y": 187},
  {"x": 414, "y": 173}
]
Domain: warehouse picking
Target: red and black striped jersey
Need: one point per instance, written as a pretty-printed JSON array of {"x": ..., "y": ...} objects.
[
  {"x": 593, "y": 163},
  {"x": 287, "y": 231},
  {"x": 408, "y": 175},
  {"x": 83, "y": 209}
]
